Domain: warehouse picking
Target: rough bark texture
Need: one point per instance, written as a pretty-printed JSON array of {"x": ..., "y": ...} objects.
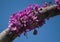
[{"x": 50, "y": 11}]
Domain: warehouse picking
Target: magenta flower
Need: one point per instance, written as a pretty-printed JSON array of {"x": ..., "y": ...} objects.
[
  {"x": 45, "y": 4},
  {"x": 36, "y": 7},
  {"x": 26, "y": 19},
  {"x": 58, "y": 4}
]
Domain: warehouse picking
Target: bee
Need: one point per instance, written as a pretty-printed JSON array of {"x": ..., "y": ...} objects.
[{"x": 35, "y": 32}]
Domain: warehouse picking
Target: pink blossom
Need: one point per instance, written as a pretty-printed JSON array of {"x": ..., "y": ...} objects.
[
  {"x": 58, "y": 4},
  {"x": 26, "y": 19}
]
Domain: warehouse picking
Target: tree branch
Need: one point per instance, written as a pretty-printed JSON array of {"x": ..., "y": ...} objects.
[{"x": 49, "y": 11}]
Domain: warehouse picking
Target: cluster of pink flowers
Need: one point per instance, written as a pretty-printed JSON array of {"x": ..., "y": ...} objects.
[
  {"x": 26, "y": 19},
  {"x": 58, "y": 4}
]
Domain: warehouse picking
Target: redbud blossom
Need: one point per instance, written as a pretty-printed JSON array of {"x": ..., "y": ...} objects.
[
  {"x": 58, "y": 4},
  {"x": 26, "y": 19}
]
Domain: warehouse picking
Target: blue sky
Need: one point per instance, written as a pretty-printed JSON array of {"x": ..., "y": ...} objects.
[{"x": 49, "y": 32}]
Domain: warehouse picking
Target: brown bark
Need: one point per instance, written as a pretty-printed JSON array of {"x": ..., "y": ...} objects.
[{"x": 50, "y": 11}]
